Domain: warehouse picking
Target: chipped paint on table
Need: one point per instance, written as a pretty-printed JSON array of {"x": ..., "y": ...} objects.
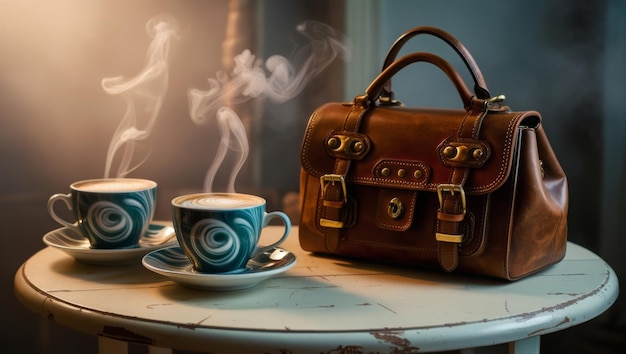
[{"x": 323, "y": 304}]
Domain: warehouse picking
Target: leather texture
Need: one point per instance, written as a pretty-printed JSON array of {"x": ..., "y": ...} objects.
[{"x": 476, "y": 190}]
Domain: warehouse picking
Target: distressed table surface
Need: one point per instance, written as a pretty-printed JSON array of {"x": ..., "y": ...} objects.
[{"x": 320, "y": 305}]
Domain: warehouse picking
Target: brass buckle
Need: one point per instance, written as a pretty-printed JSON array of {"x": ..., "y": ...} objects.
[
  {"x": 451, "y": 188},
  {"x": 332, "y": 178}
]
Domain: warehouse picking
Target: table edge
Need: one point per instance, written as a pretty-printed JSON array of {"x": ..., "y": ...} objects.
[{"x": 194, "y": 337}]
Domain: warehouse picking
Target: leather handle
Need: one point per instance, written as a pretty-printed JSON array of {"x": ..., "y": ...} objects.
[
  {"x": 480, "y": 86},
  {"x": 375, "y": 88}
]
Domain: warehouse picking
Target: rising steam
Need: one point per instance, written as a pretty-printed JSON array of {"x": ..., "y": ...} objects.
[
  {"x": 276, "y": 79},
  {"x": 144, "y": 95}
]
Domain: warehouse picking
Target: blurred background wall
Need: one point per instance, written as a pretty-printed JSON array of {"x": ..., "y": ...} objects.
[{"x": 564, "y": 58}]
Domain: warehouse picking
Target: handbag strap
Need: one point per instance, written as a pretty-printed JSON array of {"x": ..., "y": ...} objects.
[
  {"x": 451, "y": 195},
  {"x": 480, "y": 86},
  {"x": 334, "y": 191},
  {"x": 376, "y": 88}
]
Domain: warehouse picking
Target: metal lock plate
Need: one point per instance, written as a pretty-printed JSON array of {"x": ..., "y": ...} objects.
[{"x": 395, "y": 208}]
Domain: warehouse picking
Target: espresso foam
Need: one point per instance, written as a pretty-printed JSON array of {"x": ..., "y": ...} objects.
[
  {"x": 219, "y": 201},
  {"x": 114, "y": 185}
]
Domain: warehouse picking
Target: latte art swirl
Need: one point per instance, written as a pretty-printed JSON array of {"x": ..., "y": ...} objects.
[{"x": 221, "y": 201}]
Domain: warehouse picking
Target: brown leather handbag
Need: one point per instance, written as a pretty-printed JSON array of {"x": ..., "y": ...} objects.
[{"x": 476, "y": 190}]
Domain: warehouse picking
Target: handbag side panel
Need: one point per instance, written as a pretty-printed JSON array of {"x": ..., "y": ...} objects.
[{"x": 539, "y": 226}]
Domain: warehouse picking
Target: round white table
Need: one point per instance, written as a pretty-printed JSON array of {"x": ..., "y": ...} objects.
[{"x": 320, "y": 305}]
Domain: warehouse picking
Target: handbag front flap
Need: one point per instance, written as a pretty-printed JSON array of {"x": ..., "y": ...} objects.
[{"x": 413, "y": 148}]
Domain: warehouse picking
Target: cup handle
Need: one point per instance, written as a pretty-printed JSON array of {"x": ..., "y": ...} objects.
[
  {"x": 286, "y": 221},
  {"x": 67, "y": 199}
]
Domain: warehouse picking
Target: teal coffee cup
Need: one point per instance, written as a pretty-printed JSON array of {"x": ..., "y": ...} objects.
[
  {"x": 219, "y": 232},
  {"x": 110, "y": 212}
]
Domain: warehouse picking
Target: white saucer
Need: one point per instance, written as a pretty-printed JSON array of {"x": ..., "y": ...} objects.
[
  {"x": 160, "y": 234},
  {"x": 174, "y": 264}
]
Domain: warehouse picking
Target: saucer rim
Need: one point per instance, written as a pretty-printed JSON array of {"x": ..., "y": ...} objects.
[
  {"x": 199, "y": 280},
  {"x": 87, "y": 250}
]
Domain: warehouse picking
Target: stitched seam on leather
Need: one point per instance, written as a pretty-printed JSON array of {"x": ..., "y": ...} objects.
[
  {"x": 477, "y": 123},
  {"x": 507, "y": 148},
  {"x": 347, "y": 120},
  {"x": 319, "y": 209},
  {"x": 306, "y": 145},
  {"x": 376, "y": 182},
  {"x": 401, "y": 163},
  {"x": 462, "y": 127}
]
